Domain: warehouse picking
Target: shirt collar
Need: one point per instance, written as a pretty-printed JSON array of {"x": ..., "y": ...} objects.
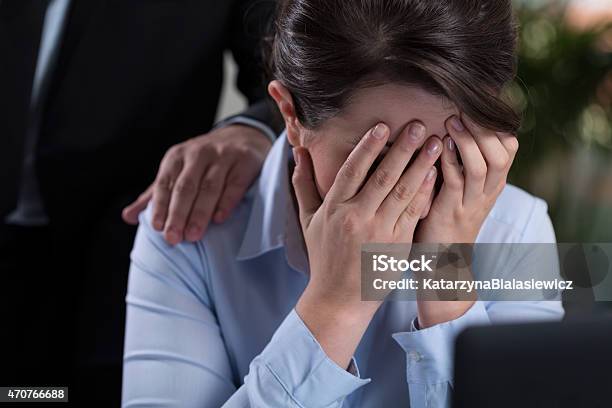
[{"x": 273, "y": 222}]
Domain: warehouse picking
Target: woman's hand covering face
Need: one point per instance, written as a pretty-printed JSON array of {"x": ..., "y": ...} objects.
[
  {"x": 384, "y": 207},
  {"x": 470, "y": 189}
]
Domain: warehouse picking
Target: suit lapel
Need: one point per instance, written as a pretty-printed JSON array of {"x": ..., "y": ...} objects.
[
  {"x": 20, "y": 30},
  {"x": 80, "y": 14}
]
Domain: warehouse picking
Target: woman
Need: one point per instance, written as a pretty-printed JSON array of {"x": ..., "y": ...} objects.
[{"x": 266, "y": 310}]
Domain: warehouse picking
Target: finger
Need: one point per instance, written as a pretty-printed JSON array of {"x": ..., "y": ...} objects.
[
  {"x": 495, "y": 154},
  {"x": 131, "y": 212},
  {"x": 452, "y": 172},
  {"x": 183, "y": 196},
  {"x": 427, "y": 208},
  {"x": 410, "y": 182},
  {"x": 408, "y": 219},
  {"x": 206, "y": 200},
  {"x": 169, "y": 170},
  {"x": 306, "y": 192},
  {"x": 388, "y": 172},
  {"x": 238, "y": 182},
  {"x": 510, "y": 143},
  {"x": 450, "y": 196},
  {"x": 474, "y": 165},
  {"x": 354, "y": 171}
]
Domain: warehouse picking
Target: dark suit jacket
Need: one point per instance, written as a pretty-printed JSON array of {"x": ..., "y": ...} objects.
[{"x": 133, "y": 77}]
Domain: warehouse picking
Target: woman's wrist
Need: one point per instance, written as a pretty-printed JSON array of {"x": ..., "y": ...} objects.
[
  {"x": 433, "y": 312},
  {"x": 337, "y": 325}
]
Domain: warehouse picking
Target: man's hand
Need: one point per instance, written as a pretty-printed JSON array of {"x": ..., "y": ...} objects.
[{"x": 200, "y": 180}]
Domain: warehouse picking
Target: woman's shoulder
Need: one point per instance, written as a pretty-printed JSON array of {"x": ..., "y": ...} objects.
[
  {"x": 219, "y": 237},
  {"x": 517, "y": 205},
  {"x": 518, "y": 216},
  {"x": 231, "y": 228}
]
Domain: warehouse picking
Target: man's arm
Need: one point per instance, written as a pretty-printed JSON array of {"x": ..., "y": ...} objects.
[{"x": 204, "y": 178}]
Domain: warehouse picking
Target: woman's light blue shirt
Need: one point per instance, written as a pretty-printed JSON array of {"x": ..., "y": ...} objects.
[{"x": 212, "y": 323}]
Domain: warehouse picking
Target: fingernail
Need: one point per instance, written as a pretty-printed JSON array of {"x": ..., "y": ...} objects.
[
  {"x": 296, "y": 156},
  {"x": 431, "y": 174},
  {"x": 457, "y": 124},
  {"x": 433, "y": 147},
  {"x": 379, "y": 131},
  {"x": 417, "y": 132},
  {"x": 451, "y": 144},
  {"x": 219, "y": 215},
  {"x": 158, "y": 224},
  {"x": 172, "y": 235},
  {"x": 193, "y": 232}
]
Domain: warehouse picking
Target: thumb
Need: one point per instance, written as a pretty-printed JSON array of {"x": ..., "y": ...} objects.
[
  {"x": 306, "y": 192},
  {"x": 131, "y": 212}
]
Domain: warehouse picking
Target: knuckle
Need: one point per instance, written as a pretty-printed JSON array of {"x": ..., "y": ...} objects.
[
  {"x": 478, "y": 172},
  {"x": 382, "y": 178},
  {"x": 513, "y": 144},
  {"x": 242, "y": 151},
  {"x": 194, "y": 155},
  {"x": 369, "y": 145},
  {"x": 349, "y": 221},
  {"x": 185, "y": 186},
  {"x": 499, "y": 163},
  {"x": 349, "y": 170},
  {"x": 164, "y": 182},
  {"x": 296, "y": 178},
  {"x": 175, "y": 152},
  {"x": 510, "y": 142},
  {"x": 413, "y": 210},
  {"x": 208, "y": 185},
  {"x": 170, "y": 165},
  {"x": 454, "y": 183},
  {"x": 210, "y": 150},
  {"x": 406, "y": 149},
  {"x": 459, "y": 213},
  {"x": 401, "y": 192}
]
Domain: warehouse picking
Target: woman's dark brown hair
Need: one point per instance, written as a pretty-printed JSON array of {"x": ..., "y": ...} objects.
[{"x": 324, "y": 50}]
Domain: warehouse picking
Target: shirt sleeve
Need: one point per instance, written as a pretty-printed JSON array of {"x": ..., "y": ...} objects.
[
  {"x": 175, "y": 356},
  {"x": 294, "y": 371},
  {"x": 430, "y": 352},
  {"x": 248, "y": 121},
  {"x": 429, "y": 357}
]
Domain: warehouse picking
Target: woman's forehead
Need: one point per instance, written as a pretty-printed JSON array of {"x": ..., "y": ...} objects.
[{"x": 397, "y": 105}]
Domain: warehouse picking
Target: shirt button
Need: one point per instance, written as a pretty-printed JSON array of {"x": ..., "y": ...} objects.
[{"x": 414, "y": 356}]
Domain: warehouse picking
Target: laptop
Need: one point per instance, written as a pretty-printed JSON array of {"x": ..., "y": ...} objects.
[{"x": 556, "y": 364}]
